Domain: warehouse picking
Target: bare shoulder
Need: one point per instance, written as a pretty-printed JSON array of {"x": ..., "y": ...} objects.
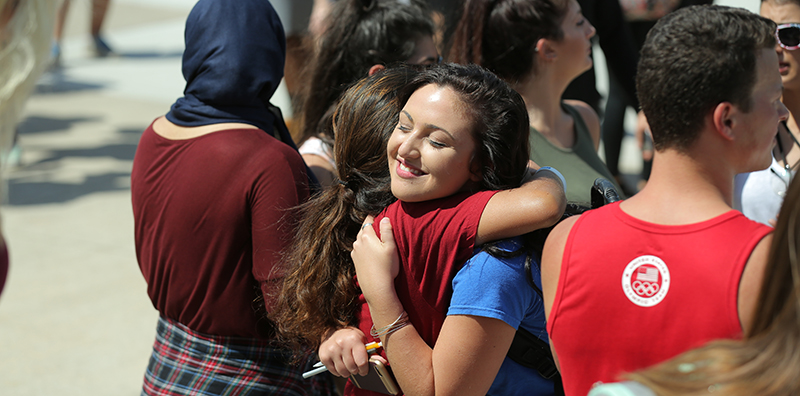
[
  {"x": 590, "y": 118},
  {"x": 551, "y": 258},
  {"x": 750, "y": 283},
  {"x": 554, "y": 245}
]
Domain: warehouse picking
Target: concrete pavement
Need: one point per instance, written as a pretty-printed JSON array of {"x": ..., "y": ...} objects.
[{"x": 74, "y": 317}]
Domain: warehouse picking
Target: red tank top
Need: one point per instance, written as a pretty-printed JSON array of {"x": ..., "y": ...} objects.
[{"x": 632, "y": 293}]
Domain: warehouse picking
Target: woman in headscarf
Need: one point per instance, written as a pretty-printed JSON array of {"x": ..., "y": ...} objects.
[{"x": 213, "y": 186}]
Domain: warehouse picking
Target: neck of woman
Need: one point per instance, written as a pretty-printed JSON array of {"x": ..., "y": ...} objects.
[
  {"x": 791, "y": 99},
  {"x": 791, "y": 154},
  {"x": 542, "y": 94}
]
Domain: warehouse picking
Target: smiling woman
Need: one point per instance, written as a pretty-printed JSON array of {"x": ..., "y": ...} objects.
[
  {"x": 426, "y": 160},
  {"x": 320, "y": 299},
  {"x": 457, "y": 159}
]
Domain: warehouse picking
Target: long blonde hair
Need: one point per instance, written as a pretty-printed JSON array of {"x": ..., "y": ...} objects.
[{"x": 767, "y": 361}]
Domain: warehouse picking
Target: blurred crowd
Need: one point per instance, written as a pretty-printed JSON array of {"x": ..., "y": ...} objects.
[{"x": 436, "y": 215}]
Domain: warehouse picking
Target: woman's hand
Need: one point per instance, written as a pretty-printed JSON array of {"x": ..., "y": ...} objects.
[
  {"x": 376, "y": 260},
  {"x": 344, "y": 352}
]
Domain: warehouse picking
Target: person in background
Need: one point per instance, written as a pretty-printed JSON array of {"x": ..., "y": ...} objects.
[
  {"x": 361, "y": 37},
  {"x": 638, "y": 17},
  {"x": 709, "y": 85},
  {"x": 99, "y": 45},
  {"x": 214, "y": 186},
  {"x": 759, "y": 195},
  {"x": 765, "y": 362},
  {"x": 538, "y": 47},
  {"x": 616, "y": 41},
  {"x": 26, "y": 28}
]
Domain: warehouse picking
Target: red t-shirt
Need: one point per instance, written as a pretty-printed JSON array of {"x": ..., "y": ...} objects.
[
  {"x": 212, "y": 217},
  {"x": 434, "y": 239},
  {"x": 632, "y": 293}
]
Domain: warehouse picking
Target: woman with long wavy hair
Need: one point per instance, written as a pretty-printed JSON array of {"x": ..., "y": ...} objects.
[{"x": 320, "y": 254}]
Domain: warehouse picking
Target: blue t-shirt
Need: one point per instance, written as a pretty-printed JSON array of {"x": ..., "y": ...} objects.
[{"x": 498, "y": 288}]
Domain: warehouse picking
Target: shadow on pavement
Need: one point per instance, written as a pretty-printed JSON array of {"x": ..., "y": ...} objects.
[
  {"x": 150, "y": 55},
  {"x": 27, "y": 186},
  {"x": 37, "y": 124},
  {"x": 22, "y": 193},
  {"x": 120, "y": 151},
  {"x": 57, "y": 82}
]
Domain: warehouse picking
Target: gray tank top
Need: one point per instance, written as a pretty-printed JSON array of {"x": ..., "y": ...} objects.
[{"x": 580, "y": 164}]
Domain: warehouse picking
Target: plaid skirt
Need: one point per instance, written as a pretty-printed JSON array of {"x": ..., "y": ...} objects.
[{"x": 185, "y": 362}]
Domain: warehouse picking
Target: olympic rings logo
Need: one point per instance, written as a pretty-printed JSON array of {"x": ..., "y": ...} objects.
[
  {"x": 645, "y": 288},
  {"x": 646, "y": 281}
]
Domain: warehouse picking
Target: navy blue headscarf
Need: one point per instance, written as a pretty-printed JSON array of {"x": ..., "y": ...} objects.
[{"x": 233, "y": 63}]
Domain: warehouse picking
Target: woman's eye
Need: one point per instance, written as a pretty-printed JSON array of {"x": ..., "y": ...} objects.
[
  {"x": 582, "y": 21},
  {"x": 436, "y": 144},
  {"x": 403, "y": 127}
]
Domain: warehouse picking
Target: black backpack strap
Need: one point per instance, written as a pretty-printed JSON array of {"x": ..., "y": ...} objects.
[{"x": 531, "y": 352}]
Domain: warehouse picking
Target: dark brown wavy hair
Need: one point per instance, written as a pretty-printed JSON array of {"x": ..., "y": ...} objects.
[{"x": 319, "y": 292}]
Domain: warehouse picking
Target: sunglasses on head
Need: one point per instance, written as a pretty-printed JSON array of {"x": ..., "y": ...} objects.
[{"x": 788, "y": 35}]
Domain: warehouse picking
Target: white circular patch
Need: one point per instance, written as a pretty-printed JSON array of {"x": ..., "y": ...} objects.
[{"x": 645, "y": 281}]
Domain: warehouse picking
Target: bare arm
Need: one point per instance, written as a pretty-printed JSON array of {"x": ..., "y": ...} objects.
[
  {"x": 750, "y": 284},
  {"x": 539, "y": 203},
  {"x": 469, "y": 351},
  {"x": 551, "y": 267}
]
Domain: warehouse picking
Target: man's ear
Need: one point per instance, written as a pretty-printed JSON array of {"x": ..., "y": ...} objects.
[
  {"x": 544, "y": 50},
  {"x": 376, "y": 68},
  {"x": 724, "y": 118}
]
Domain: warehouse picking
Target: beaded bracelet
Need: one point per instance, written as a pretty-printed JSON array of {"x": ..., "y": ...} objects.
[{"x": 399, "y": 323}]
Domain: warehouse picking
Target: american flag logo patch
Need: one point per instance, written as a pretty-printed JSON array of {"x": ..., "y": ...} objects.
[{"x": 647, "y": 274}]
